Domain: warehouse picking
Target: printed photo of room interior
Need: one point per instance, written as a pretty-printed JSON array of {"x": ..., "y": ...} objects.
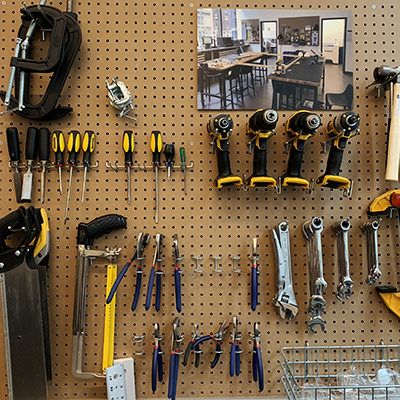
[{"x": 282, "y": 59}]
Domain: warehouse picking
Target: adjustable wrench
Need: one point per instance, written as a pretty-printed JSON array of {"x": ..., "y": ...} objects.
[
  {"x": 284, "y": 299},
  {"x": 370, "y": 230},
  {"x": 312, "y": 232},
  {"x": 345, "y": 285}
]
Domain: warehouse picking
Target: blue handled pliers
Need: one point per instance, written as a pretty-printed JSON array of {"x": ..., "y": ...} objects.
[
  {"x": 144, "y": 242},
  {"x": 218, "y": 336},
  {"x": 156, "y": 261},
  {"x": 174, "y": 359},
  {"x": 177, "y": 274},
  {"x": 157, "y": 365},
  {"x": 234, "y": 362},
  {"x": 254, "y": 275},
  {"x": 190, "y": 347},
  {"x": 258, "y": 371}
]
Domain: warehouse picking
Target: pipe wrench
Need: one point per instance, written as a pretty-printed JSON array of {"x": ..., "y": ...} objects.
[{"x": 284, "y": 300}]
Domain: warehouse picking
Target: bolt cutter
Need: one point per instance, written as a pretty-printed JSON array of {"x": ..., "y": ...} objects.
[
  {"x": 156, "y": 260},
  {"x": 157, "y": 366}
]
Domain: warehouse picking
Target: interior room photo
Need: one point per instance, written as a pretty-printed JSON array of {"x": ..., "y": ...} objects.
[{"x": 280, "y": 59}]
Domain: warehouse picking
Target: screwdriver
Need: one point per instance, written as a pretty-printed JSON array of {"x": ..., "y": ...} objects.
[
  {"x": 156, "y": 147},
  {"x": 182, "y": 155},
  {"x": 88, "y": 144},
  {"x": 58, "y": 145},
  {"x": 44, "y": 152},
  {"x": 128, "y": 145},
  {"x": 30, "y": 155},
  {"x": 74, "y": 144},
  {"x": 169, "y": 152}
]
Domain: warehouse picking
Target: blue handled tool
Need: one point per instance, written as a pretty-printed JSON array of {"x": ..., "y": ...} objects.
[
  {"x": 258, "y": 371},
  {"x": 218, "y": 336},
  {"x": 254, "y": 275},
  {"x": 190, "y": 347},
  {"x": 157, "y": 365},
  {"x": 234, "y": 362},
  {"x": 156, "y": 261},
  {"x": 145, "y": 242},
  {"x": 174, "y": 359},
  {"x": 177, "y": 274}
]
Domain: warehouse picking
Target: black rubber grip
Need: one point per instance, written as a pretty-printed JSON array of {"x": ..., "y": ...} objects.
[
  {"x": 44, "y": 144},
  {"x": 99, "y": 227},
  {"x": 334, "y": 161},
  {"x": 223, "y": 161},
  {"x": 31, "y": 143},
  {"x": 13, "y": 144},
  {"x": 295, "y": 159},
  {"x": 169, "y": 153},
  {"x": 260, "y": 158}
]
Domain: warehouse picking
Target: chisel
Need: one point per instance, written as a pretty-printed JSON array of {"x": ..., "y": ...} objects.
[
  {"x": 15, "y": 157},
  {"x": 30, "y": 155}
]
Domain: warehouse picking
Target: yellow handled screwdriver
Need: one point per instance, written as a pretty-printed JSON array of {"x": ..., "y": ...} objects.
[
  {"x": 128, "y": 145},
  {"x": 74, "y": 144},
  {"x": 156, "y": 148},
  {"x": 58, "y": 145},
  {"x": 88, "y": 143}
]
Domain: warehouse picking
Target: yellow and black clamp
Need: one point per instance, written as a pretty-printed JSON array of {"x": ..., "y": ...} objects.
[
  {"x": 340, "y": 129},
  {"x": 301, "y": 126},
  {"x": 261, "y": 126},
  {"x": 220, "y": 127},
  {"x": 391, "y": 297}
]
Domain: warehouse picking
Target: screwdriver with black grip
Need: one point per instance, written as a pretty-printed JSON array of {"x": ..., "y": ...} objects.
[
  {"x": 73, "y": 146},
  {"x": 30, "y": 155},
  {"x": 15, "y": 158},
  {"x": 44, "y": 153},
  {"x": 169, "y": 152},
  {"x": 88, "y": 143},
  {"x": 128, "y": 145},
  {"x": 58, "y": 145},
  {"x": 156, "y": 148}
]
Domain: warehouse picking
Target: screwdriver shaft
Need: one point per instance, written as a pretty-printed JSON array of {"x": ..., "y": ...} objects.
[
  {"x": 84, "y": 184},
  {"x": 59, "y": 177},
  {"x": 156, "y": 168},
  {"x": 43, "y": 184},
  {"x": 68, "y": 193},
  {"x": 184, "y": 180},
  {"x": 129, "y": 185}
]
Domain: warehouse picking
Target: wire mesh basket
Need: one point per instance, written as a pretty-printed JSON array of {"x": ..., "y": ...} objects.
[{"x": 311, "y": 373}]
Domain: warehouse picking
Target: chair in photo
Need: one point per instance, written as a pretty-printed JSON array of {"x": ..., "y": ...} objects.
[
  {"x": 342, "y": 100},
  {"x": 246, "y": 74},
  {"x": 210, "y": 84}
]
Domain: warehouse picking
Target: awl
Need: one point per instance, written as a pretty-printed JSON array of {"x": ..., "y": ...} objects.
[
  {"x": 44, "y": 153},
  {"x": 15, "y": 157},
  {"x": 30, "y": 155}
]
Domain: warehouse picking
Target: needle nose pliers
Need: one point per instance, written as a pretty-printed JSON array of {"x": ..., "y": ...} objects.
[
  {"x": 258, "y": 371},
  {"x": 254, "y": 275},
  {"x": 174, "y": 359},
  {"x": 156, "y": 261},
  {"x": 190, "y": 347},
  {"x": 157, "y": 365},
  {"x": 177, "y": 274},
  {"x": 234, "y": 362}
]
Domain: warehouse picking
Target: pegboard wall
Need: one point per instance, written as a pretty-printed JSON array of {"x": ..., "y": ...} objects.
[{"x": 151, "y": 46}]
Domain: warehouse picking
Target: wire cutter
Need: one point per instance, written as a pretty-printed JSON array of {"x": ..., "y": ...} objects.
[
  {"x": 258, "y": 371},
  {"x": 144, "y": 240},
  {"x": 174, "y": 359},
  {"x": 190, "y": 347},
  {"x": 254, "y": 275},
  {"x": 218, "y": 336},
  {"x": 157, "y": 366},
  {"x": 234, "y": 362},
  {"x": 156, "y": 260},
  {"x": 177, "y": 274}
]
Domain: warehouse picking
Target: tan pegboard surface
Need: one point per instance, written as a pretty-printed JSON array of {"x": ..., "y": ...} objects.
[{"x": 151, "y": 47}]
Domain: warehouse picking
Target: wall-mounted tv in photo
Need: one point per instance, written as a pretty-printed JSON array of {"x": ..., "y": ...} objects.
[{"x": 282, "y": 59}]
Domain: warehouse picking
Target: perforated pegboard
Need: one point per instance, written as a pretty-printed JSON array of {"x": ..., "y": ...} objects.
[{"x": 152, "y": 48}]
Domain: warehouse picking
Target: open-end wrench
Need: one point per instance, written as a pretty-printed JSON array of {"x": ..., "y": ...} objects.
[
  {"x": 370, "y": 230},
  {"x": 312, "y": 232},
  {"x": 284, "y": 299},
  {"x": 345, "y": 284}
]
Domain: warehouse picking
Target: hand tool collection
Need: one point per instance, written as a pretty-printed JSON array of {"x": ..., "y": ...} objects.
[
  {"x": 24, "y": 301},
  {"x": 65, "y": 41},
  {"x": 301, "y": 126}
]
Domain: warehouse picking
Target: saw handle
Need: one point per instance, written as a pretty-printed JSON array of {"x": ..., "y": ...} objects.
[
  {"x": 99, "y": 227},
  {"x": 393, "y": 151}
]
